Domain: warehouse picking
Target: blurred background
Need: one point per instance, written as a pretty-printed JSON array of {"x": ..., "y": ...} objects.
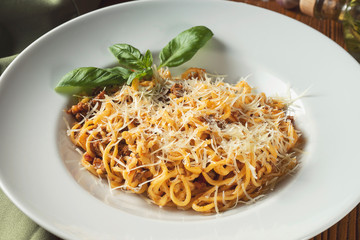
[{"x": 23, "y": 21}]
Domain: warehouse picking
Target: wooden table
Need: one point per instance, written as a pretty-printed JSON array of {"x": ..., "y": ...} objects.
[{"x": 347, "y": 228}]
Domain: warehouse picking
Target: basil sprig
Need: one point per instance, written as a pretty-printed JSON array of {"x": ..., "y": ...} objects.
[
  {"x": 134, "y": 64},
  {"x": 131, "y": 58}
]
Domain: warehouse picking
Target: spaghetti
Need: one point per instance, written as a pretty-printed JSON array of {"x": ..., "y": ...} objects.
[{"x": 194, "y": 142}]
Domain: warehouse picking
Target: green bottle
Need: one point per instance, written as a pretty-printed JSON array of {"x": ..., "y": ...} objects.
[{"x": 346, "y": 11}]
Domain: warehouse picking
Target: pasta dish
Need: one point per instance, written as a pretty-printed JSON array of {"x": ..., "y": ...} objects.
[{"x": 192, "y": 142}]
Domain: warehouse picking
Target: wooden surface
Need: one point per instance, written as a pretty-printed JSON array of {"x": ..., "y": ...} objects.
[{"x": 347, "y": 228}]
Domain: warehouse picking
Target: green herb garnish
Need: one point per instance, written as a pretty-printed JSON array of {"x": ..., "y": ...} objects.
[{"x": 133, "y": 64}]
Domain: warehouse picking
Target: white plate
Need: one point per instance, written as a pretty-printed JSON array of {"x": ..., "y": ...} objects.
[{"x": 39, "y": 169}]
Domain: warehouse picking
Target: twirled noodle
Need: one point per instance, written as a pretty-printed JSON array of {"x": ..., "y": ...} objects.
[{"x": 191, "y": 142}]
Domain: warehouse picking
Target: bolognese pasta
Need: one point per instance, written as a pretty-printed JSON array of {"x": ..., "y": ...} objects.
[{"x": 193, "y": 141}]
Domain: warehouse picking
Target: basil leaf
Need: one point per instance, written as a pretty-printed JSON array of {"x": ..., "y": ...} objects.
[
  {"x": 123, "y": 72},
  {"x": 184, "y": 46},
  {"x": 140, "y": 75},
  {"x": 86, "y": 78},
  {"x": 128, "y": 56},
  {"x": 148, "y": 59},
  {"x": 131, "y": 78}
]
